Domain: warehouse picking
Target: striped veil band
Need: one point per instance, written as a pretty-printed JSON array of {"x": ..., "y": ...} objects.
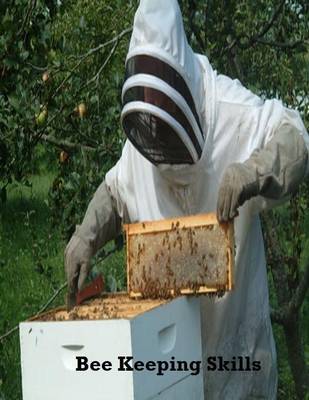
[{"x": 151, "y": 81}]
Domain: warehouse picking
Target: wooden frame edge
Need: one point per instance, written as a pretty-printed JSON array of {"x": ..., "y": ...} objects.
[
  {"x": 171, "y": 223},
  {"x": 231, "y": 249},
  {"x": 201, "y": 290}
]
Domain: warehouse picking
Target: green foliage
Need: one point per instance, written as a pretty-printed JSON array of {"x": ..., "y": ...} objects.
[
  {"x": 24, "y": 40},
  {"x": 68, "y": 44},
  {"x": 77, "y": 178}
]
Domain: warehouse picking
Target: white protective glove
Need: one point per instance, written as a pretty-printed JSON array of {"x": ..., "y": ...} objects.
[{"x": 101, "y": 224}]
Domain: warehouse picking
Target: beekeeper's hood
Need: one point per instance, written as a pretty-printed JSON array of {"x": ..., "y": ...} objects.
[{"x": 163, "y": 94}]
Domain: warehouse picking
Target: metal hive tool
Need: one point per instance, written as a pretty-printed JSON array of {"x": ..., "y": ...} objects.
[{"x": 187, "y": 255}]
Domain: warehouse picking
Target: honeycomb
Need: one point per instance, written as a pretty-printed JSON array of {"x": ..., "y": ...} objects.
[{"x": 183, "y": 259}]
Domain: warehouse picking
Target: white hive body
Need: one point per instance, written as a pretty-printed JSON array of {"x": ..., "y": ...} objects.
[
  {"x": 146, "y": 330},
  {"x": 190, "y": 255}
]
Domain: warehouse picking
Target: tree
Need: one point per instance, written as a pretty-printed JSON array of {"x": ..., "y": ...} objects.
[
  {"x": 24, "y": 42},
  {"x": 58, "y": 60}
]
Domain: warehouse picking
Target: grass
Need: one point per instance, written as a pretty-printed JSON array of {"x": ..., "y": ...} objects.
[{"x": 31, "y": 269}]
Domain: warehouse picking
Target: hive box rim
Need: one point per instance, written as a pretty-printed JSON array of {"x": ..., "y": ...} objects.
[{"x": 36, "y": 318}]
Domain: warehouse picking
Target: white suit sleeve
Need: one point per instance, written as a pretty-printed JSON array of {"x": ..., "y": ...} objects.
[
  {"x": 267, "y": 138},
  {"x": 101, "y": 222},
  {"x": 120, "y": 183},
  {"x": 290, "y": 122}
]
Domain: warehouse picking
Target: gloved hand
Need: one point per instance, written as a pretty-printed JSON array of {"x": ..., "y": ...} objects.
[
  {"x": 273, "y": 172},
  {"x": 101, "y": 224},
  {"x": 77, "y": 267},
  {"x": 238, "y": 185}
]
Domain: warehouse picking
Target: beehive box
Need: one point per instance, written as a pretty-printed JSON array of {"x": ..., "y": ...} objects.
[
  {"x": 187, "y": 255},
  {"x": 104, "y": 330}
]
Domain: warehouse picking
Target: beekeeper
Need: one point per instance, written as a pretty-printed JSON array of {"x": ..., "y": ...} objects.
[{"x": 199, "y": 142}]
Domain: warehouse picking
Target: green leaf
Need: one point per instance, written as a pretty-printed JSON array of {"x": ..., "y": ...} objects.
[{"x": 14, "y": 101}]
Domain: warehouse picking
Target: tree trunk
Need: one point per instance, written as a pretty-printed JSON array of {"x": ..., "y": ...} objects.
[{"x": 296, "y": 357}]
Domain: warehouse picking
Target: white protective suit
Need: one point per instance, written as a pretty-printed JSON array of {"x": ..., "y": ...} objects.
[{"x": 235, "y": 122}]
